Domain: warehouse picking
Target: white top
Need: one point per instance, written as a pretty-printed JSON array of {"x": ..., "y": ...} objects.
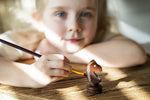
[{"x": 133, "y": 19}]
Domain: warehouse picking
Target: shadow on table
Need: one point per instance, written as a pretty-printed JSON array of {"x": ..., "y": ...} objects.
[
  {"x": 75, "y": 87},
  {"x": 137, "y": 76}
]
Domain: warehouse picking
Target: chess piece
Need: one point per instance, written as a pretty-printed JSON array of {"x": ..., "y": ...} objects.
[{"x": 93, "y": 85}]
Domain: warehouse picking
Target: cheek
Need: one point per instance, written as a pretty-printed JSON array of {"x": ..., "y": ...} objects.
[
  {"x": 54, "y": 26},
  {"x": 57, "y": 28},
  {"x": 90, "y": 31}
]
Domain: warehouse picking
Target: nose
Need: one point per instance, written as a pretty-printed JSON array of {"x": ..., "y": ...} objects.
[{"x": 74, "y": 26}]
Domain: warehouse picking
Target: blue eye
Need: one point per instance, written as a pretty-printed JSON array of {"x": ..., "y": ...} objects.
[
  {"x": 85, "y": 14},
  {"x": 60, "y": 14}
]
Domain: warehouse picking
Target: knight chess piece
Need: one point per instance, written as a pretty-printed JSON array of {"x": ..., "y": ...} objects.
[{"x": 93, "y": 85}]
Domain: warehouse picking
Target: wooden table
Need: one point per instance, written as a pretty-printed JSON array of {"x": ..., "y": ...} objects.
[{"x": 118, "y": 84}]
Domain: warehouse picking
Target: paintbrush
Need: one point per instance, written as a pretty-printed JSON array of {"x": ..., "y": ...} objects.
[{"x": 34, "y": 54}]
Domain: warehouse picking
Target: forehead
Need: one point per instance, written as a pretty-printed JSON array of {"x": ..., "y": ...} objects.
[{"x": 72, "y": 3}]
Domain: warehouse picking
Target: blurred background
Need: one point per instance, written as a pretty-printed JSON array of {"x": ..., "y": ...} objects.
[{"x": 15, "y": 14}]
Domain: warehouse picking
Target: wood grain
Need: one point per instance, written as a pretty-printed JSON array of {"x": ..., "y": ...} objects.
[{"x": 118, "y": 84}]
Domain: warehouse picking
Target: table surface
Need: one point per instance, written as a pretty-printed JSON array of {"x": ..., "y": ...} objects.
[{"x": 118, "y": 84}]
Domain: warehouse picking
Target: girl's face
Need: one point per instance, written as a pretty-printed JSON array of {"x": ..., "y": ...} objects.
[{"x": 70, "y": 25}]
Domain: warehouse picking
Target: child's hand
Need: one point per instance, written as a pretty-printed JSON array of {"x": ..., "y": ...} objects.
[{"x": 50, "y": 68}]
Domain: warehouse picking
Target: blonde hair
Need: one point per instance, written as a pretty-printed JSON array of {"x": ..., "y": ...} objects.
[
  {"x": 102, "y": 24},
  {"x": 40, "y": 6}
]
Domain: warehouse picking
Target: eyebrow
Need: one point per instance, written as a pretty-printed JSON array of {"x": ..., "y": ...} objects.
[
  {"x": 58, "y": 7},
  {"x": 90, "y": 8},
  {"x": 86, "y": 8}
]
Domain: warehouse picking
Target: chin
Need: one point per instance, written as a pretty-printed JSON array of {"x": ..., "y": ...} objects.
[
  {"x": 72, "y": 49},
  {"x": 71, "y": 52}
]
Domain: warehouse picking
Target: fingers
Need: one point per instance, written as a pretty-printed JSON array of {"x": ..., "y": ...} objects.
[
  {"x": 54, "y": 79},
  {"x": 56, "y": 61},
  {"x": 59, "y": 68},
  {"x": 59, "y": 65},
  {"x": 59, "y": 73},
  {"x": 54, "y": 65},
  {"x": 53, "y": 57}
]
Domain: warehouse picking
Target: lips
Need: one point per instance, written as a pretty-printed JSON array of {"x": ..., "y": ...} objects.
[{"x": 73, "y": 40}]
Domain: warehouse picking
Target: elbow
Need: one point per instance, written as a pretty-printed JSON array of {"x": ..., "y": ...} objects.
[
  {"x": 135, "y": 60},
  {"x": 142, "y": 58},
  {"x": 139, "y": 58}
]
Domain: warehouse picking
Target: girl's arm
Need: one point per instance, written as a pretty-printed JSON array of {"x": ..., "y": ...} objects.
[
  {"x": 47, "y": 69},
  {"x": 16, "y": 74},
  {"x": 117, "y": 52}
]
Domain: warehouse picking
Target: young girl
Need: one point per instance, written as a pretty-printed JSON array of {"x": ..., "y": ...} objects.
[{"x": 74, "y": 30}]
